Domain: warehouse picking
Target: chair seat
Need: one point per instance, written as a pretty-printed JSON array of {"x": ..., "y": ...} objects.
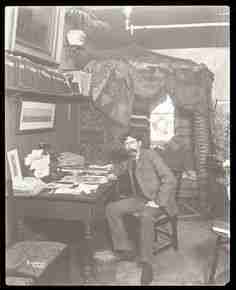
[
  {"x": 159, "y": 217},
  {"x": 32, "y": 258},
  {"x": 18, "y": 281}
]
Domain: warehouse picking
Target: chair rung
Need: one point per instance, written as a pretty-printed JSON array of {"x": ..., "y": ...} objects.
[
  {"x": 162, "y": 248},
  {"x": 161, "y": 222},
  {"x": 164, "y": 233}
]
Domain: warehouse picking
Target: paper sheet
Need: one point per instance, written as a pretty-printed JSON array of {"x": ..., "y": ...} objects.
[
  {"x": 67, "y": 190},
  {"x": 81, "y": 188},
  {"x": 87, "y": 188},
  {"x": 152, "y": 204}
]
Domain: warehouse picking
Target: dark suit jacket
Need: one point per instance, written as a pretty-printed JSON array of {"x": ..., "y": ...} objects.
[{"x": 156, "y": 179}]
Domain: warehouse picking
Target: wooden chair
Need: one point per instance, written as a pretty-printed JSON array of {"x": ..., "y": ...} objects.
[
  {"x": 222, "y": 231},
  {"x": 221, "y": 228}
]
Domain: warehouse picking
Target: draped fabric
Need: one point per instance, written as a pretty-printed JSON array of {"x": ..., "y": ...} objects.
[
  {"x": 112, "y": 89},
  {"x": 117, "y": 76}
]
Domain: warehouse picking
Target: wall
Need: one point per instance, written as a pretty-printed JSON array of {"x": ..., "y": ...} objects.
[{"x": 63, "y": 138}]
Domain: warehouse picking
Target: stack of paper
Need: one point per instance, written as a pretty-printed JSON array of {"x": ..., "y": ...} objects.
[
  {"x": 38, "y": 162},
  {"x": 104, "y": 167},
  {"x": 70, "y": 159},
  {"x": 93, "y": 179},
  {"x": 83, "y": 80},
  {"x": 87, "y": 188}
]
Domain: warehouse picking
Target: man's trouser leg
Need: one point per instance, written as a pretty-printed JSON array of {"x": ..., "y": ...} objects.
[
  {"x": 115, "y": 212},
  {"x": 147, "y": 234}
]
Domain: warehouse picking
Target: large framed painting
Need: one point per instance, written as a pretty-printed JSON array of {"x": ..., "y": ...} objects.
[
  {"x": 35, "y": 116},
  {"x": 35, "y": 31}
]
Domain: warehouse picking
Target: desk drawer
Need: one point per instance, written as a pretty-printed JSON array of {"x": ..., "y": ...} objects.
[{"x": 65, "y": 210}]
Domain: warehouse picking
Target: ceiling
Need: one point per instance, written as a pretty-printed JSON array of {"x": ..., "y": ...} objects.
[{"x": 213, "y": 36}]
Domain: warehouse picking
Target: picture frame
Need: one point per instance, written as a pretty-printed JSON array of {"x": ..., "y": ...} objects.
[
  {"x": 35, "y": 32},
  {"x": 35, "y": 117},
  {"x": 14, "y": 165}
]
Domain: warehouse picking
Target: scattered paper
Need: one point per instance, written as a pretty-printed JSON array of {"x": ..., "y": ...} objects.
[
  {"x": 87, "y": 188},
  {"x": 70, "y": 159},
  {"x": 152, "y": 204},
  {"x": 81, "y": 188},
  {"x": 107, "y": 166},
  {"x": 67, "y": 190}
]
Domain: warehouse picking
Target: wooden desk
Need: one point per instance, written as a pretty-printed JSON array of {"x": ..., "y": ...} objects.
[{"x": 85, "y": 208}]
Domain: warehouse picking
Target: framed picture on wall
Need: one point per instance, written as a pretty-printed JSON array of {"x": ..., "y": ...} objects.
[
  {"x": 35, "y": 31},
  {"x": 35, "y": 116},
  {"x": 14, "y": 165}
]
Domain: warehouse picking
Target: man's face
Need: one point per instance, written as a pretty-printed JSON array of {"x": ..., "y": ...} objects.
[{"x": 132, "y": 146}]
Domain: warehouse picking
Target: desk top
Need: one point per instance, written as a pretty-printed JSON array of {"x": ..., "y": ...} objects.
[{"x": 100, "y": 194}]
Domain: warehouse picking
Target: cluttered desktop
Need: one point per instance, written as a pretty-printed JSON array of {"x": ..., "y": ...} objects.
[{"x": 69, "y": 175}]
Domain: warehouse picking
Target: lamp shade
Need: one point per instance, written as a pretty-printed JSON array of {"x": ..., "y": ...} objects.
[{"x": 76, "y": 37}]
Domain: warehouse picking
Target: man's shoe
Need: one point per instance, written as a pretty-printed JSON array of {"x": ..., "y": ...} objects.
[
  {"x": 147, "y": 273},
  {"x": 126, "y": 255}
]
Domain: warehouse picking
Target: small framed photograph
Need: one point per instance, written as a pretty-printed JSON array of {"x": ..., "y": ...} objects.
[
  {"x": 14, "y": 164},
  {"x": 35, "y": 116}
]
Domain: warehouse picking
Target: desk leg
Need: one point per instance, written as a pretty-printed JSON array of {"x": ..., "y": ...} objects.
[
  {"x": 20, "y": 228},
  {"x": 74, "y": 266},
  {"x": 88, "y": 263}
]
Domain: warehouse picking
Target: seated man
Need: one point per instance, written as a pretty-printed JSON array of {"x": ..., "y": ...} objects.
[{"x": 151, "y": 180}]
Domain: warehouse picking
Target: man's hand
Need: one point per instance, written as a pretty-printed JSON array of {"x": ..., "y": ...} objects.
[
  {"x": 152, "y": 203},
  {"x": 112, "y": 176}
]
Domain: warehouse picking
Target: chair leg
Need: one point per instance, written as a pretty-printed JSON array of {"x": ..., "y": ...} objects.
[
  {"x": 174, "y": 233},
  {"x": 215, "y": 262}
]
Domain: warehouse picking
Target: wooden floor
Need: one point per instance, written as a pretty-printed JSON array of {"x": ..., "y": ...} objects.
[{"x": 188, "y": 266}]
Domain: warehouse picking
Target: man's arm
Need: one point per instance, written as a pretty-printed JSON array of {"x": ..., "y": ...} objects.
[{"x": 168, "y": 180}]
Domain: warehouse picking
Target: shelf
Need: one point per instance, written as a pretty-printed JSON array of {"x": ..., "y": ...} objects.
[{"x": 17, "y": 92}]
